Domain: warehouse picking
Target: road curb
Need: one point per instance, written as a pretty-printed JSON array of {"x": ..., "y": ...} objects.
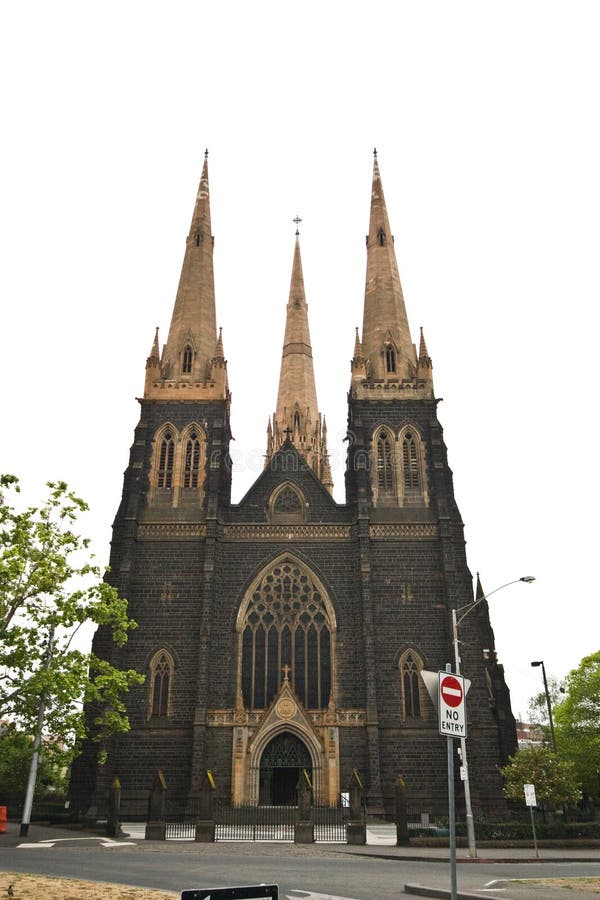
[{"x": 422, "y": 890}]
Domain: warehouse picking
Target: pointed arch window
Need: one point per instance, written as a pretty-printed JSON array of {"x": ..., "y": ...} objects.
[
  {"x": 286, "y": 624},
  {"x": 390, "y": 359},
  {"x": 385, "y": 469},
  {"x": 287, "y": 504},
  {"x": 410, "y": 684},
  {"x": 192, "y": 460},
  {"x": 166, "y": 459},
  {"x": 411, "y": 470},
  {"x": 161, "y": 673},
  {"x": 188, "y": 357}
]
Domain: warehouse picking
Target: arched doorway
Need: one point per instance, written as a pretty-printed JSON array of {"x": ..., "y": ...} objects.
[{"x": 281, "y": 763}]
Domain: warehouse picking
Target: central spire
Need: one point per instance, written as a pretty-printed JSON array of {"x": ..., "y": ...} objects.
[{"x": 297, "y": 416}]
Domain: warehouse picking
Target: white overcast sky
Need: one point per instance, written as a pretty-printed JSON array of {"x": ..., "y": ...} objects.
[{"x": 485, "y": 117}]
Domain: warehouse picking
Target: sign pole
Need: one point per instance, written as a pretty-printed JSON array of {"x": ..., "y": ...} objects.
[
  {"x": 531, "y": 802},
  {"x": 537, "y": 852},
  {"x": 451, "y": 810},
  {"x": 448, "y": 692}
]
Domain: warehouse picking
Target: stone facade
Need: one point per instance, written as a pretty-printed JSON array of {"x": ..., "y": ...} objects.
[{"x": 290, "y": 628}]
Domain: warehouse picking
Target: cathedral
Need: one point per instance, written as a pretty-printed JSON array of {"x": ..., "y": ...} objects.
[{"x": 289, "y": 631}]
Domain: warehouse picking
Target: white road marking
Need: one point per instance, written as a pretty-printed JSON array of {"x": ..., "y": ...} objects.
[
  {"x": 49, "y": 843},
  {"x": 309, "y": 895}
]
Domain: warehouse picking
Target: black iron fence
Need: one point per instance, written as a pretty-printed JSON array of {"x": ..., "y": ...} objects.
[{"x": 180, "y": 816}]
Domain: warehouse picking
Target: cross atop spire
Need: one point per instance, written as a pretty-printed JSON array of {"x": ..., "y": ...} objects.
[
  {"x": 206, "y": 153},
  {"x": 297, "y": 220}
]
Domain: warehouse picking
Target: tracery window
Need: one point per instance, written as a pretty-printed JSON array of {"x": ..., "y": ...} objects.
[
  {"x": 161, "y": 669},
  {"x": 166, "y": 458},
  {"x": 286, "y": 624},
  {"x": 287, "y": 505},
  {"x": 385, "y": 468},
  {"x": 410, "y": 467},
  {"x": 192, "y": 460},
  {"x": 187, "y": 360},
  {"x": 410, "y": 667}
]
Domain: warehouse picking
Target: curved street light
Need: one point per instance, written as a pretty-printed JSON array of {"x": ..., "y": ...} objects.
[{"x": 456, "y": 620}]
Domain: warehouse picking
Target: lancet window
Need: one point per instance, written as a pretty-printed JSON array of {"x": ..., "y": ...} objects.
[
  {"x": 188, "y": 357},
  {"x": 410, "y": 685},
  {"x": 192, "y": 460},
  {"x": 166, "y": 458},
  {"x": 286, "y": 625},
  {"x": 410, "y": 467},
  {"x": 385, "y": 463},
  {"x": 161, "y": 672},
  {"x": 390, "y": 359}
]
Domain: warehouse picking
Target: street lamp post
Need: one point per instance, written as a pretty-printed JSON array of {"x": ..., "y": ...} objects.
[
  {"x": 457, "y": 618},
  {"x": 540, "y": 662}
]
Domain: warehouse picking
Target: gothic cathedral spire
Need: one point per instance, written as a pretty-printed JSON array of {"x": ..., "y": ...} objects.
[
  {"x": 297, "y": 414},
  {"x": 192, "y": 366},
  {"x": 388, "y": 354}
]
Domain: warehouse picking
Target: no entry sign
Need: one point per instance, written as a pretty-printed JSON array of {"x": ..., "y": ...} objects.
[{"x": 452, "y": 711}]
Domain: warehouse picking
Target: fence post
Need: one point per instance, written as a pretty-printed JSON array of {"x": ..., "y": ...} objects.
[
  {"x": 156, "y": 826},
  {"x": 205, "y": 824},
  {"x": 113, "y": 825},
  {"x": 304, "y": 829},
  {"x": 356, "y": 829},
  {"x": 402, "y": 838}
]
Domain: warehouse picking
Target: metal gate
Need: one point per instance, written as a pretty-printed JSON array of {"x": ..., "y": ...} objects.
[
  {"x": 330, "y": 824},
  {"x": 254, "y": 823},
  {"x": 277, "y": 823}
]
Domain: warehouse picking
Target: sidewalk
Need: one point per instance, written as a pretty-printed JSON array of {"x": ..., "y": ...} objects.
[{"x": 380, "y": 845}]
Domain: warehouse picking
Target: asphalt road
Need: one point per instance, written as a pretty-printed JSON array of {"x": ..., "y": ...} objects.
[{"x": 317, "y": 872}]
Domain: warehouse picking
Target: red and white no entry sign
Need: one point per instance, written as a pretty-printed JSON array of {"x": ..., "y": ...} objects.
[
  {"x": 452, "y": 711},
  {"x": 451, "y": 691}
]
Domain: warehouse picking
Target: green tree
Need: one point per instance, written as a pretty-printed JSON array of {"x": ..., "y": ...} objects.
[
  {"x": 538, "y": 706},
  {"x": 49, "y": 588},
  {"x": 577, "y": 721},
  {"x": 554, "y": 777},
  {"x": 15, "y": 761}
]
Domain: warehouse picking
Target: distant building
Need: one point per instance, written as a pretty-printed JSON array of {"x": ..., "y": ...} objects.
[
  {"x": 289, "y": 631},
  {"x": 529, "y": 733}
]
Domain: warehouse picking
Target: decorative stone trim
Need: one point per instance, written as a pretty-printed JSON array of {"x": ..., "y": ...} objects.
[
  {"x": 404, "y": 531},
  {"x": 166, "y": 530},
  {"x": 315, "y": 532},
  {"x": 353, "y": 718}
]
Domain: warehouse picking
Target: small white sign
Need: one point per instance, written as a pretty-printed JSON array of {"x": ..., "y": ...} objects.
[{"x": 530, "y": 794}]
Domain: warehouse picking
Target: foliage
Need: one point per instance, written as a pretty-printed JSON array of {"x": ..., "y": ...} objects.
[
  {"x": 49, "y": 588},
  {"x": 15, "y": 759},
  {"x": 521, "y": 831},
  {"x": 538, "y": 706},
  {"x": 577, "y": 721},
  {"x": 553, "y": 776}
]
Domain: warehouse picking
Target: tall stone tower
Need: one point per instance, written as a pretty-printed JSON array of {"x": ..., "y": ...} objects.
[{"x": 289, "y": 631}]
